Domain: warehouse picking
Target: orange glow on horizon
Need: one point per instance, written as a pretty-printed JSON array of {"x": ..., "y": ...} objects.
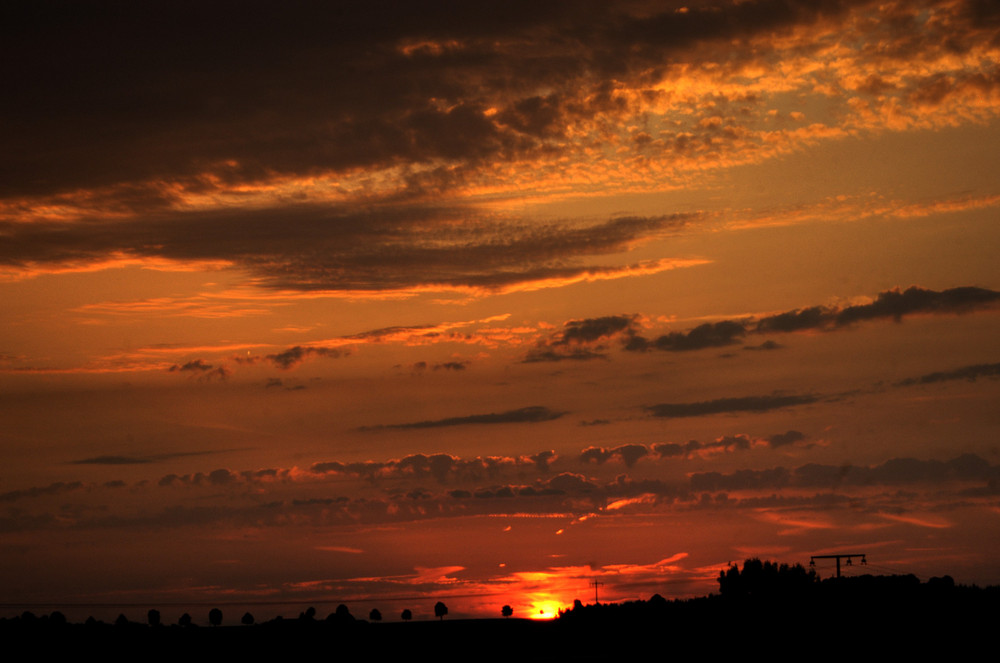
[{"x": 545, "y": 609}]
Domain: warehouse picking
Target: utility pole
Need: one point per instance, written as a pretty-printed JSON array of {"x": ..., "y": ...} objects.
[
  {"x": 812, "y": 560},
  {"x": 595, "y": 584}
]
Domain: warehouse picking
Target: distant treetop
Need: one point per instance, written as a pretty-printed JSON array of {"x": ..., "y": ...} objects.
[{"x": 440, "y": 610}]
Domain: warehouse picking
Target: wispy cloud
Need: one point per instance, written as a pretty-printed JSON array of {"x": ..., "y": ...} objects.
[
  {"x": 970, "y": 373},
  {"x": 727, "y": 405},
  {"x": 532, "y": 414}
]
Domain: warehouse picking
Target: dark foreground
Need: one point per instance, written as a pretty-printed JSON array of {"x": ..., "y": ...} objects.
[{"x": 873, "y": 617}]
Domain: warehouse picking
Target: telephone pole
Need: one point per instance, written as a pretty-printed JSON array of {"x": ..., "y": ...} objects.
[
  {"x": 812, "y": 560},
  {"x": 595, "y": 584}
]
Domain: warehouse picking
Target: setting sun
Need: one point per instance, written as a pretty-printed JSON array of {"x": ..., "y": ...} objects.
[{"x": 545, "y": 609}]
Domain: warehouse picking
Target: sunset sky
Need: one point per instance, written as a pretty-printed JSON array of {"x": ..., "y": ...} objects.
[{"x": 385, "y": 303}]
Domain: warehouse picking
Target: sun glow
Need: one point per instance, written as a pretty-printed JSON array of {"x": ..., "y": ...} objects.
[{"x": 545, "y": 609}]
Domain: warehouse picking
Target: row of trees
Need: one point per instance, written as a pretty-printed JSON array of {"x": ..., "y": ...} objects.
[{"x": 342, "y": 613}]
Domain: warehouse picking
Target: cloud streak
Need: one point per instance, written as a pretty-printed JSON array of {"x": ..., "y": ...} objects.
[
  {"x": 729, "y": 405},
  {"x": 892, "y": 304},
  {"x": 531, "y": 415}
]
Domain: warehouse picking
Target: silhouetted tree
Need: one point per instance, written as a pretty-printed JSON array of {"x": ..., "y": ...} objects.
[
  {"x": 657, "y": 602},
  {"x": 153, "y": 617},
  {"x": 57, "y": 618},
  {"x": 343, "y": 613},
  {"x": 440, "y": 610},
  {"x": 764, "y": 580},
  {"x": 309, "y": 614},
  {"x": 214, "y": 616},
  {"x": 247, "y": 619},
  {"x": 406, "y": 615},
  {"x": 506, "y": 611},
  {"x": 122, "y": 621},
  {"x": 185, "y": 620},
  {"x": 375, "y": 615}
]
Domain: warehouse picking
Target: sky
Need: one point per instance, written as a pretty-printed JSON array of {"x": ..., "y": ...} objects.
[{"x": 388, "y": 303}]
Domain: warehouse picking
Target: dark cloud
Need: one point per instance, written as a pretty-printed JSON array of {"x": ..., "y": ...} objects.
[
  {"x": 777, "y": 477},
  {"x": 141, "y": 460},
  {"x": 112, "y": 460},
  {"x": 225, "y": 477},
  {"x": 531, "y": 414},
  {"x": 441, "y": 467},
  {"x": 140, "y": 107},
  {"x": 387, "y": 332},
  {"x": 968, "y": 467},
  {"x": 538, "y": 356},
  {"x": 970, "y": 373},
  {"x": 581, "y": 340},
  {"x": 598, "y": 455},
  {"x": 888, "y": 304},
  {"x": 893, "y": 304},
  {"x": 137, "y": 92},
  {"x": 196, "y": 365},
  {"x": 568, "y": 482},
  {"x": 56, "y": 488},
  {"x": 543, "y": 459},
  {"x": 721, "y": 405},
  {"x": 451, "y": 366},
  {"x": 785, "y": 439},
  {"x": 590, "y": 330},
  {"x": 316, "y": 247},
  {"x": 896, "y": 304},
  {"x": 203, "y": 370},
  {"x": 798, "y": 320},
  {"x": 708, "y": 335},
  {"x": 296, "y": 355},
  {"x": 895, "y": 471},
  {"x": 766, "y": 345},
  {"x": 629, "y": 454},
  {"x": 672, "y": 449}
]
